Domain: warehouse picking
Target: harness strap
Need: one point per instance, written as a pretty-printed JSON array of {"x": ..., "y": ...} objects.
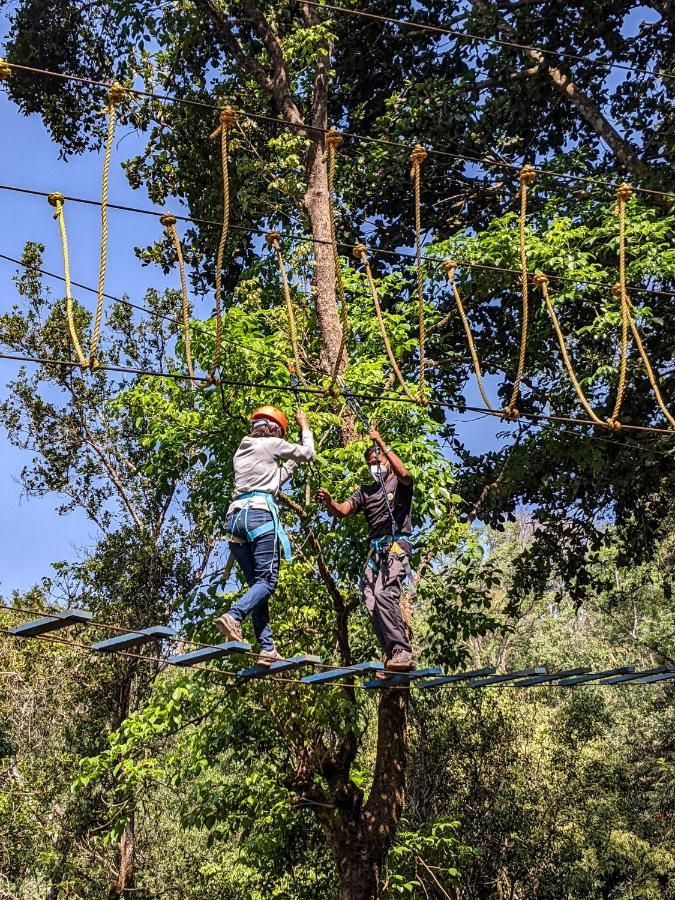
[{"x": 275, "y": 525}]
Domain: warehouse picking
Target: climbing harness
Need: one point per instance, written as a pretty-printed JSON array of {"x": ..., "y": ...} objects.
[
  {"x": 275, "y": 525},
  {"x": 57, "y": 200},
  {"x": 333, "y": 141},
  {"x": 361, "y": 253},
  {"x": 273, "y": 238},
  {"x": 382, "y": 547},
  {"x": 168, "y": 221},
  {"x": 228, "y": 117},
  {"x": 417, "y": 157}
]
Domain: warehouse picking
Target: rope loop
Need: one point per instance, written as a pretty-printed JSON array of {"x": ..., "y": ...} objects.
[
  {"x": 613, "y": 424},
  {"x": 510, "y": 413},
  {"x": 168, "y": 221},
  {"x": 5, "y": 70},
  {"x": 360, "y": 251},
  {"x": 450, "y": 267},
  {"x": 417, "y": 156},
  {"x": 56, "y": 199},
  {"x": 540, "y": 279}
]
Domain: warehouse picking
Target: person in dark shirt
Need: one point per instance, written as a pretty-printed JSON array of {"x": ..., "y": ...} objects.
[{"x": 387, "y": 507}]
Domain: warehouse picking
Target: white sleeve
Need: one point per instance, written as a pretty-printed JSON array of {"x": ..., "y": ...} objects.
[{"x": 294, "y": 455}]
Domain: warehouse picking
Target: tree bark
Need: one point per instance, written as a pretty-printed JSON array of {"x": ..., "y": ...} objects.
[{"x": 124, "y": 885}]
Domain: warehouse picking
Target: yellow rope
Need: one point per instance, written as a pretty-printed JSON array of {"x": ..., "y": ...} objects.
[
  {"x": 56, "y": 200},
  {"x": 333, "y": 141},
  {"x": 527, "y": 176},
  {"x": 115, "y": 95},
  {"x": 227, "y": 117},
  {"x": 623, "y": 192},
  {"x": 450, "y": 266},
  {"x": 361, "y": 253},
  {"x": 168, "y": 221},
  {"x": 650, "y": 372},
  {"x": 542, "y": 281},
  {"x": 417, "y": 157},
  {"x": 273, "y": 238},
  {"x": 5, "y": 70}
]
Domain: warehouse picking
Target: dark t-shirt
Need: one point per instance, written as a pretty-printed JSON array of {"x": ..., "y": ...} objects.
[{"x": 372, "y": 501}]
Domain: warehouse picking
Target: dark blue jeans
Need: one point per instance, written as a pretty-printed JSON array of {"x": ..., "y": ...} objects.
[{"x": 259, "y": 562}]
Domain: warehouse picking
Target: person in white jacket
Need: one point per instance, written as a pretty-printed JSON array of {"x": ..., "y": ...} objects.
[{"x": 263, "y": 462}]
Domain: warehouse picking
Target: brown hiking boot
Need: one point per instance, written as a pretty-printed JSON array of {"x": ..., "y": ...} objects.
[
  {"x": 401, "y": 661},
  {"x": 228, "y": 625},
  {"x": 267, "y": 657}
]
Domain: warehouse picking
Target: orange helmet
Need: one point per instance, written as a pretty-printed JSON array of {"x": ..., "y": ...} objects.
[{"x": 271, "y": 412}]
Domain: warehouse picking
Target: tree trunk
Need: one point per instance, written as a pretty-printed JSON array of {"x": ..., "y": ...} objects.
[
  {"x": 124, "y": 885},
  {"x": 316, "y": 203},
  {"x": 358, "y": 872}
]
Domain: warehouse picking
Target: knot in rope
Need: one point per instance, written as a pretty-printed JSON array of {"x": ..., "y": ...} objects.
[
  {"x": 617, "y": 290},
  {"x": 624, "y": 192},
  {"x": 360, "y": 251},
  {"x": 511, "y": 413},
  {"x": 56, "y": 199},
  {"x": 417, "y": 156},
  {"x": 450, "y": 267},
  {"x": 228, "y": 116},
  {"x": 540, "y": 279},
  {"x": 614, "y": 424},
  {"x": 5, "y": 70},
  {"x": 167, "y": 220},
  {"x": 333, "y": 139},
  {"x": 273, "y": 238},
  {"x": 527, "y": 174},
  {"x": 116, "y": 93}
]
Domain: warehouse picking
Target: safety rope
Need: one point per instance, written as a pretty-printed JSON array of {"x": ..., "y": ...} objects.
[
  {"x": 450, "y": 267},
  {"x": 361, "y": 253},
  {"x": 541, "y": 281},
  {"x": 168, "y": 221},
  {"x": 623, "y": 193},
  {"x": 333, "y": 141},
  {"x": 228, "y": 117},
  {"x": 115, "y": 95},
  {"x": 527, "y": 175},
  {"x": 273, "y": 238},
  {"x": 417, "y": 157},
  {"x": 57, "y": 200}
]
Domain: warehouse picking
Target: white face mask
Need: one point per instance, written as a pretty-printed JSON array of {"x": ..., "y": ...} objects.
[{"x": 378, "y": 471}]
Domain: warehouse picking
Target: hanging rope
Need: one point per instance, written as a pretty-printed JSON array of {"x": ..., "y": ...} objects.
[
  {"x": 273, "y": 238},
  {"x": 115, "y": 95},
  {"x": 333, "y": 141},
  {"x": 417, "y": 157},
  {"x": 648, "y": 367},
  {"x": 623, "y": 193},
  {"x": 57, "y": 200},
  {"x": 228, "y": 117},
  {"x": 541, "y": 281},
  {"x": 361, "y": 253},
  {"x": 527, "y": 176},
  {"x": 168, "y": 221},
  {"x": 450, "y": 267}
]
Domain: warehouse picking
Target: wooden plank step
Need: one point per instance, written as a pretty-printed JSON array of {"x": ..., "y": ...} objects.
[
  {"x": 508, "y": 676},
  {"x": 596, "y": 676},
  {"x": 458, "y": 676},
  {"x": 293, "y": 662},
  {"x": 401, "y": 678},
  {"x": 51, "y": 623},
  {"x": 134, "y": 639},
  {"x": 204, "y": 654},
  {"x": 551, "y": 676},
  {"x": 335, "y": 674}
]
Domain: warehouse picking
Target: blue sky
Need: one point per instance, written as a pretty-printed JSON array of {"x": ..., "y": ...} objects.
[{"x": 32, "y": 534}]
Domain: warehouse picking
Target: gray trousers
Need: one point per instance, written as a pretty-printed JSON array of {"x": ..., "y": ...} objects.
[{"x": 381, "y": 592}]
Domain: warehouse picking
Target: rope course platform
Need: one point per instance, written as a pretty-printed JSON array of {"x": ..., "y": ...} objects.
[{"x": 331, "y": 675}]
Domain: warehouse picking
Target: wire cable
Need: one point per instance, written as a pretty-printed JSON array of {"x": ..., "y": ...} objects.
[
  {"x": 293, "y": 236},
  {"x": 351, "y": 135}
]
